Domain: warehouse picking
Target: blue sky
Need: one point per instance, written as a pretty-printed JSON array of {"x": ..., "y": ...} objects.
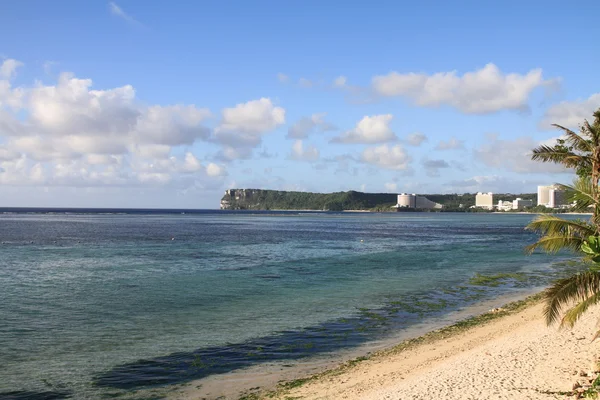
[{"x": 167, "y": 104}]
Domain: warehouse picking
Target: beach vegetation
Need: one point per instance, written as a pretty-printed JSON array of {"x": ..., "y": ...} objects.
[
  {"x": 570, "y": 297},
  {"x": 496, "y": 279}
]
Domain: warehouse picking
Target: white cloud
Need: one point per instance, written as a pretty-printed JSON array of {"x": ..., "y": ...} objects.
[
  {"x": 571, "y": 114},
  {"x": 515, "y": 155},
  {"x": 213, "y": 170},
  {"x": 283, "y": 78},
  {"x": 416, "y": 139},
  {"x": 373, "y": 129},
  {"x": 243, "y": 126},
  {"x": 307, "y": 125},
  {"x": 151, "y": 150},
  {"x": 302, "y": 153},
  {"x": 172, "y": 125},
  {"x": 384, "y": 156},
  {"x": 8, "y": 68},
  {"x": 450, "y": 144},
  {"x": 255, "y": 116},
  {"x": 69, "y": 134},
  {"x": 229, "y": 153},
  {"x": 118, "y": 11},
  {"x": 482, "y": 91},
  {"x": 8, "y": 155}
]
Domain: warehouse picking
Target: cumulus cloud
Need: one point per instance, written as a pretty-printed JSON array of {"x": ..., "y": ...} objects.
[
  {"x": 432, "y": 167},
  {"x": 486, "y": 90},
  {"x": 450, "y": 144},
  {"x": 255, "y": 116},
  {"x": 416, "y": 139},
  {"x": 385, "y": 156},
  {"x": 373, "y": 129},
  {"x": 515, "y": 155},
  {"x": 69, "y": 134},
  {"x": 243, "y": 126},
  {"x": 571, "y": 114},
  {"x": 302, "y": 153},
  {"x": 305, "y": 126},
  {"x": 9, "y": 67}
]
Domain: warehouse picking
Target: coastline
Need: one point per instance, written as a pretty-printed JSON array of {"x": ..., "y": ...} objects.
[
  {"x": 382, "y": 369},
  {"x": 510, "y": 354}
]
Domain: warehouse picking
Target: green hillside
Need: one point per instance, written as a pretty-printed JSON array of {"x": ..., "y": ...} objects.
[{"x": 258, "y": 199}]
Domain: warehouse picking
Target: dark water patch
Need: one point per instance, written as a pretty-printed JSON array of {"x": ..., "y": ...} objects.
[
  {"x": 29, "y": 395},
  {"x": 366, "y": 325},
  {"x": 287, "y": 345}
]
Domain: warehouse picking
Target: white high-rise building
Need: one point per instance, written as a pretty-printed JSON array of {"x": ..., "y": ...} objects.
[
  {"x": 519, "y": 203},
  {"x": 415, "y": 201},
  {"x": 551, "y": 196},
  {"x": 484, "y": 200},
  {"x": 557, "y": 198}
]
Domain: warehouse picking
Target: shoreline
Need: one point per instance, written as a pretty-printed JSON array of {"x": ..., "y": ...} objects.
[
  {"x": 279, "y": 381},
  {"x": 505, "y": 354}
]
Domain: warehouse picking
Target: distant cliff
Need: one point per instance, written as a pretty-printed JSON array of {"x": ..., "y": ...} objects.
[{"x": 257, "y": 199}]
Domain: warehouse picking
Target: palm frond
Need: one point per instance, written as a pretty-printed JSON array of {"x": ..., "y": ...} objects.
[
  {"x": 553, "y": 225},
  {"x": 559, "y": 233},
  {"x": 575, "y": 140},
  {"x": 560, "y": 155},
  {"x": 573, "y": 314},
  {"x": 553, "y": 244},
  {"x": 574, "y": 288},
  {"x": 581, "y": 193},
  {"x": 592, "y": 131}
]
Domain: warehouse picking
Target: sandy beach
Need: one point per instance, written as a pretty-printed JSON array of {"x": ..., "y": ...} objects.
[
  {"x": 510, "y": 357},
  {"x": 514, "y": 357}
]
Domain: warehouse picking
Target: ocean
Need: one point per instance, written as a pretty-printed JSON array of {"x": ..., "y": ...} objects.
[{"x": 123, "y": 303}]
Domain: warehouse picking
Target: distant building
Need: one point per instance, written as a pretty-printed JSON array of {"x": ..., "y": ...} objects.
[
  {"x": 551, "y": 196},
  {"x": 504, "y": 205},
  {"x": 415, "y": 201},
  {"x": 557, "y": 198},
  {"x": 519, "y": 203},
  {"x": 484, "y": 200}
]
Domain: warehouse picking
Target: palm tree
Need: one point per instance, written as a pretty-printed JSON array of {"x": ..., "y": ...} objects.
[
  {"x": 577, "y": 151},
  {"x": 580, "y": 152}
]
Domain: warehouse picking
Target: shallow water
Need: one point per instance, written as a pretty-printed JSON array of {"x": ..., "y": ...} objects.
[{"x": 103, "y": 305}]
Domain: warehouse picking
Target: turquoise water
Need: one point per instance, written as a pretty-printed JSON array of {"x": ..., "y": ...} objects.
[{"x": 104, "y": 305}]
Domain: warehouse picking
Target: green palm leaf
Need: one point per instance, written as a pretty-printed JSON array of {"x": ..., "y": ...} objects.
[
  {"x": 581, "y": 193},
  {"x": 560, "y": 155},
  {"x": 578, "y": 287},
  {"x": 573, "y": 314},
  {"x": 576, "y": 140}
]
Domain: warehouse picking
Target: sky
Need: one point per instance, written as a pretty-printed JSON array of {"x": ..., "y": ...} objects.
[{"x": 162, "y": 104}]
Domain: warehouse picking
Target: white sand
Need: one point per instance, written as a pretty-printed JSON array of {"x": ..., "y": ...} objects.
[{"x": 514, "y": 357}]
